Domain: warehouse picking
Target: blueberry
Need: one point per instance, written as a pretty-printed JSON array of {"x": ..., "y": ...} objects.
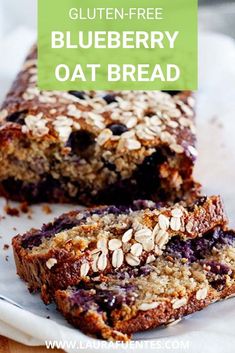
[
  {"x": 108, "y": 165},
  {"x": 150, "y": 113},
  {"x": 80, "y": 142},
  {"x": 117, "y": 129},
  {"x": 17, "y": 117},
  {"x": 145, "y": 270},
  {"x": 218, "y": 284},
  {"x": 103, "y": 299},
  {"x": 78, "y": 94},
  {"x": 200, "y": 201},
  {"x": 147, "y": 173},
  {"x": 172, "y": 93},
  {"x": 110, "y": 98},
  {"x": 84, "y": 299},
  {"x": 198, "y": 248},
  {"x": 143, "y": 204},
  {"x": 48, "y": 230},
  {"x": 110, "y": 299},
  {"x": 218, "y": 268}
]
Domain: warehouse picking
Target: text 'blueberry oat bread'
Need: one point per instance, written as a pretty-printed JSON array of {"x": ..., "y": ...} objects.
[
  {"x": 187, "y": 277},
  {"x": 81, "y": 244},
  {"x": 95, "y": 147}
]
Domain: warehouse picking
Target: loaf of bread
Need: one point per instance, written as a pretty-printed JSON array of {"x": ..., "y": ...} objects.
[{"x": 95, "y": 147}]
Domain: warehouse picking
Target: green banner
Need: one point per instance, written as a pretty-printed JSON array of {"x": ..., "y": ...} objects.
[{"x": 117, "y": 44}]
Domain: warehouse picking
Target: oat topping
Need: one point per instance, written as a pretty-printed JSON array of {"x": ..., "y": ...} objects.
[
  {"x": 161, "y": 238},
  {"x": 102, "y": 244},
  {"x": 201, "y": 293},
  {"x": 173, "y": 322},
  {"x": 63, "y": 126},
  {"x": 50, "y": 263},
  {"x": 175, "y": 223},
  {"x": 114, "y": 244},
  {"x": 177, "y": 148},
  {"x": 176, "y": 212},
  {"x": 104, "y": 136},
  {"x": 35, "y": 124},
  {"x": 150, "y": 259},
  {"x": 136, "y": 249},
  {"x": 193, "y": 151},
  {"x": 150, "y": 115},
  {"x": 3, "y": 114},
  {"x": 177, "y": 303},
  {"x": 190, "y": 226},
  {"x": 30, "y": 93},
  {"x": 163, "y": 222},
  {"x": 102, "y": 262},
  {"x": 95, "y": 258},
  {"x": 148, "y": 306},
  {"x": 132, "y": 144},
  {"x": 142, "y": 234},
  {"x": 84, "y": 269},
  {"x": 157, "y": 250},
  {"x": 148, "y": 245},
  {"x": 127, "y": 236},
  {"x": 132, "y": 260},
  {"x": 117, "y": 258}
]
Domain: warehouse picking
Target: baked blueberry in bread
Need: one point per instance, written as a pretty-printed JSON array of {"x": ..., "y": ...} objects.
[
  {"x": 95, "y": 147},
  {"x": 187, "y": 277},
  {"x": 80, "y": 245}
]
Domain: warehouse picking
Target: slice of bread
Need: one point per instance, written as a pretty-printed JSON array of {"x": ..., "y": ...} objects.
[{"x": 83, "y": 244}]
